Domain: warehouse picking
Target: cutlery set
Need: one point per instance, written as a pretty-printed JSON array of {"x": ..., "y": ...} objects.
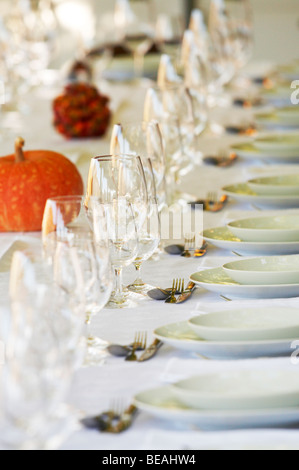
[
  {"x": 177, "y": 294},
  {"x": 129, "y": 352},
  {"x": 113, "y": 421}
]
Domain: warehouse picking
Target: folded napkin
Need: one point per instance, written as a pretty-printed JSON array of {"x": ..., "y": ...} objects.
[
  {"x": 264, "y": 439},
  {"x": 166, "y": 72}
]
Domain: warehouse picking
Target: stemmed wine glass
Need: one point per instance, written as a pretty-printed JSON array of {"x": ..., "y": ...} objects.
[
  {"x": 117, "y": 180},
  {"x": 144, "y": 139},
  {"x": 169, "y": 34},
  {"x": 231, "y": 30},
  {"x": 180, "y": 120},
  {"x": 134, "y": 23},
  {"x": 75, "y": 223},
  {"x": 123, "y": 238},
  {"x": 43, "y": 351},
  {"x": 119, "y": 176},
  {"x": 149, "y": 238}
]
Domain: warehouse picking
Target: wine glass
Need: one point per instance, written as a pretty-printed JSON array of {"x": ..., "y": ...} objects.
[
  {"x": 65, "y": 219},
  {"x": 148, "y": 241},
  {"x": 169, "y": 34},
  {"x": 43, "y": 350},
  {"x": 94, "y": 268},
  {"x": 231, "y": 30},
  {"x": 119, "y": 176},
  {"x": 144, "y": 139},
  {"x": 134, "y": 23},
  {"x": 75, "y": 222},
  {"x": 179, "y": 120},
  {"x": 123, "y": 239}
]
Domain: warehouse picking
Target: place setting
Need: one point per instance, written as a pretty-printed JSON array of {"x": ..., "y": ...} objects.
[
  {"x": 275, "y": 192},
  {"x": 279, "y": 147},
  {"x": 257, "y": 235}
]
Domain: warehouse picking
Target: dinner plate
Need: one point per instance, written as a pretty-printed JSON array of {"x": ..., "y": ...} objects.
[
  {"x": 277, "y": 96},
  {"x": 281, "y": 142},
  {"x": 181, "y": 336},
  {"x": 249, "y": 151},
  {"x": 242, "y": 193},
  {"x": 266, "y": 229},
  {"x": 223, "y": 238},
  {"x": 266, "y": 270},
  {"x": 284, "y": 185},
  {"x": 216, "y": 280},
  {"x": 271, "y": 120},
  {"x": 247, "y": 324},
  {"x": 240, "y": 390},
  {"x": 161, "y": 403},
  {"x": 289, "y": 114}
]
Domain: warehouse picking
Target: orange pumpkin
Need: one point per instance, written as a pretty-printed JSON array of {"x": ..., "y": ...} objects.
[{"x": 27, "y": 180}]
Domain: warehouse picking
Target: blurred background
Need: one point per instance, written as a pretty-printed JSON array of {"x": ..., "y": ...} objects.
[{"x": 276, "y": 23}]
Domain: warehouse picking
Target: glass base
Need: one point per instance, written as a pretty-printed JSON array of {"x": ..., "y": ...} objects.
[
  {"x": 124, "y": 302},
  {"x": 141, "y": 288}
]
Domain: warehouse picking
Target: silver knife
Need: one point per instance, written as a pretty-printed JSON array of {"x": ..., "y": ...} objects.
[{"x": 151, "y": 351}]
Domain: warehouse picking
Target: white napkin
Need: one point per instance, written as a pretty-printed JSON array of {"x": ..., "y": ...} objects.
[{"x": 166, "y": 72}]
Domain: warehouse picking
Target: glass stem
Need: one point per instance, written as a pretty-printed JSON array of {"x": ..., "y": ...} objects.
[
  {"x": 118, "y": 283},
  {"x": 87, "y": 327},
  {"x": 138, "y": 281}
]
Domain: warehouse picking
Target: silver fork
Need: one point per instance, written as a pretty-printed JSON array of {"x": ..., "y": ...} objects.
[
  {"x": 140, "y": 340},
  {"x": 177, "y": 286},
  {"x": 189, "y": 246}
]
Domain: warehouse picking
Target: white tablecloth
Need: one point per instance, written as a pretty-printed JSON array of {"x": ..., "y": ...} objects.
[{"x": 94, "y": 389}]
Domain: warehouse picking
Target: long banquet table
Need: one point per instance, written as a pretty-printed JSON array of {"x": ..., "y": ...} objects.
[{"x": 94, "y": 389}]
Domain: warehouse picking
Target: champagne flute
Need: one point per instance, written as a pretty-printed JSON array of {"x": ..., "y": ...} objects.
[{"x": 123, "y": 238}]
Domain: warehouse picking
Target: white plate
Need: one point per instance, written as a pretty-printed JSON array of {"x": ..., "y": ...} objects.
[
  {"x": 216, "y": 280},
  {"x": 162, "y": 404},
  {"x": 249, "y": 151},
  {"x": 272, "y": 121},
  {"x": 288, "y": 114},
  {"x": 181, "y": 336},
  {"x": 278, "y": 142},
  {"x": 247, "y": 324},
  {"x": 266, "y": 229},
  {"x": 284, "y": 185},
  {"x": 266, "y": 270},
  {"x": 221, "y": 237},
  {"x": 241, "y": 192},
  {"x": 241, "y": 390}
]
